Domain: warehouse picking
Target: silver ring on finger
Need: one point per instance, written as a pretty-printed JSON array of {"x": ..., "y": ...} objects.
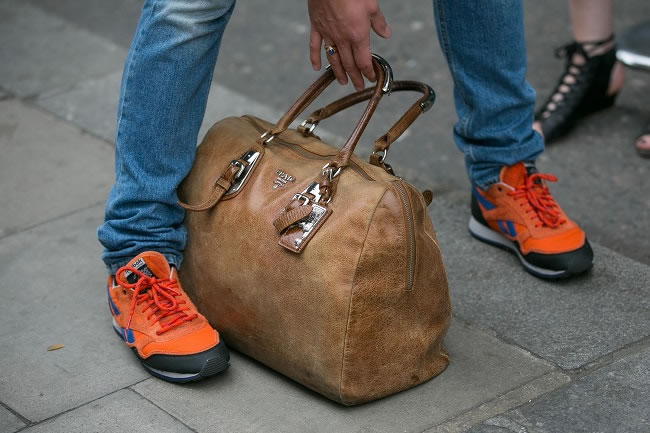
[{"x": 330, "y": 50}]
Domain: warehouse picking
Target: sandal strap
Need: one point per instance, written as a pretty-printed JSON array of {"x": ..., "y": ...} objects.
[{"x": 570, "y": 49}]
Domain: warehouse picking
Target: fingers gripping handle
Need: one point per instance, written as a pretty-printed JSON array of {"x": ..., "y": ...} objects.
[{"x": 384, "y": 75}]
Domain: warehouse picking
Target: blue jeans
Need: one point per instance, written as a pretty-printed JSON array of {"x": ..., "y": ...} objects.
[
  {"x": 165, "y": 88},
  {"x": 164, "y": 92},
  {"x": 484, "y": 44}
]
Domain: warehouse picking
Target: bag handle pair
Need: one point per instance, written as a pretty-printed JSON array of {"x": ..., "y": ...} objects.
[
  {"x": 384, "y": 85},
  {"x": 383, "y": 143},
  {"x": 327, "y": 180},
  {"x": 307, "y": 211}
]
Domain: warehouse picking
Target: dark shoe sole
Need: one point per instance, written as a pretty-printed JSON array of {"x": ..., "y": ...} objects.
[
  {"x": 575, "y": 262},
  {"x": 185, "y": 368}
]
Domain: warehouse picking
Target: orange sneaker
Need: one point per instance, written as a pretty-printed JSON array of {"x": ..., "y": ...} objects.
[
  {"x": 158, "y": 321},
  {"x": 519, "y": 214}
]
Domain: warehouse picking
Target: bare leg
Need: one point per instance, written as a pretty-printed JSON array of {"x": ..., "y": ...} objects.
[{"x": 591, "y": 19}]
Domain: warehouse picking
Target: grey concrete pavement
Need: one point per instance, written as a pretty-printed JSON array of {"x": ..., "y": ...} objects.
[
  {"x": 605, "y": 401},
  {"x": 273, "y": 403},
  {"x": 72, "y": 54},
  {"x": 527, "y": 355},
  {"x": 53, "y": 292},
  {"x": 9, "y": 422},
  {"x": 40, "y": 171},
  {"x": 122, "y": 411}
]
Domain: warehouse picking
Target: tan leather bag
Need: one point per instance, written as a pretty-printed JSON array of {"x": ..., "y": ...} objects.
[{"x": 319, "y": 265}]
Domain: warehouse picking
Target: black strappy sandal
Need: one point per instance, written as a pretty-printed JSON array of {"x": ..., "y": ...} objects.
[
  {"x": 643, "y": 151},
  {"x": 588, "y": 93}
]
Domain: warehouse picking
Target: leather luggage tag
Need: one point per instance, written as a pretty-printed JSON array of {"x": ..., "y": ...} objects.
[{"x": 298, "y": 235}]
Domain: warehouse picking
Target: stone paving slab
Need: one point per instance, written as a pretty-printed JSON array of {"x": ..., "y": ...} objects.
[
  {"x": 249, "y": 397},
  {"x": 570, "y": 323},
  {"x": 114, "y": 20},
  {"x": 41, "y": 52},
  {"x": 9, "y": 423},
  {"x": 48, "y": 168},
  {"x": 612, "y": 399},
  {"x": 503, "y": 403},
  {"x": 123, "y": 411},
  {"x": 53, "y": 292},
  {"x": 92, "y": 105}
]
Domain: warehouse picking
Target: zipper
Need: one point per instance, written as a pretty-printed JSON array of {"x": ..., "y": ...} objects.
[
  {"x": 307, "y": 154},
  {"x": 411, "y": 234}
]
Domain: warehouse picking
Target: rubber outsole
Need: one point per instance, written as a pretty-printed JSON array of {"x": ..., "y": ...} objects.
[
  {"x": 581, "y": 262},
  {"x": 208, "y": 363}
]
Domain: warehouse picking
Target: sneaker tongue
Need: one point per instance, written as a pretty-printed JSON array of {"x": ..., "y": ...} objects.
[
  {"x": 514, "y": 175},
  {"x": 530, "y": 170},
  {"x": 150, "y": 263}
]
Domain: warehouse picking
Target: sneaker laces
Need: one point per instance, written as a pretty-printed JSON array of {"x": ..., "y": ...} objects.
[
  {"x": 539, "y": 200},
  {"x": 158, "y": 295}
]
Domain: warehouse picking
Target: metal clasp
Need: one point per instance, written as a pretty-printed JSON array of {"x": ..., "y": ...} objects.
[
  {"x": 382, "y": 155},
  {"x": 316, "y": 214},
  {"x": 312, "y": 126},
  {"x": 242, "y": 167},
  {"x": 330, "y": 172},
  {"x": 308, "y": 224},
  {"x": 251, "y": 157},
  {"x": 314, "y": 190},
  {"x": 428, "y": 103},
  {"x": 388, "y": 74},
  {"x": 269, "y": 139}
]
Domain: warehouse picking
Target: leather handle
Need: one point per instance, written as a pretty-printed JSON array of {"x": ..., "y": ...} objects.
[
  {"x": 327, "y": 180},
  {"x": 383, "y": 142},
  {"x": 384, "y": 83},
  {"x": 303, "y": 102},
  {"x": 343, "y": 157}
]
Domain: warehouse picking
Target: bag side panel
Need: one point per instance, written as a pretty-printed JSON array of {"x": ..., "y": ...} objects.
[{"x": 394, "y": 337}]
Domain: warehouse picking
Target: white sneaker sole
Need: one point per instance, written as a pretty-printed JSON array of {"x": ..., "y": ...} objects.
[{"x": 486, "y": 234}]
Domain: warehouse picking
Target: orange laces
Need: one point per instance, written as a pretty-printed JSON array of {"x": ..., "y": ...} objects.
[
  {"x": 540, "y": 202},
  {"x": 158, "y": 295}
]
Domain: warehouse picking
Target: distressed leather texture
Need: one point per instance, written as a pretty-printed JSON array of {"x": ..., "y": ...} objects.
[{"x": 361, "y": 311}]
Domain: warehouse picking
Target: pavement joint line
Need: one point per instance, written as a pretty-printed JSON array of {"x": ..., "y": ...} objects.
[
  {"x": 628, "y": 350},
  {"x": 604, "y": 360},
  {"x": 555, "y": 371},
  {"x": 18, "y": 415},
  {"x": 156, "y": 405},
  {"x": 53, "y": 219},
  {"x": 506, "y": 340},
  {"x": 518, "y": 397},
  {"x": 127, "y": 387},
  {"x": 32, "y": 104}
]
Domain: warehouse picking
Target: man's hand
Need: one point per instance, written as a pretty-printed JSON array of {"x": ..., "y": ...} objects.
[{"x": 346, "y": 25}]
